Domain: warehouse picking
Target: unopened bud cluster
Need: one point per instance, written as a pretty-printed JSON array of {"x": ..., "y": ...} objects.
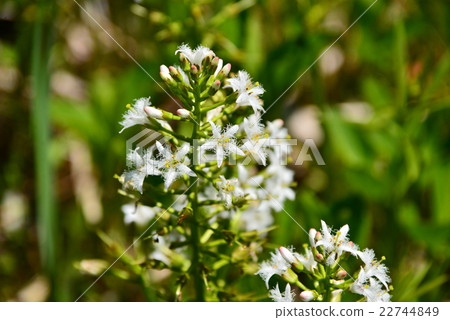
[{"x": 317, "y": 275}]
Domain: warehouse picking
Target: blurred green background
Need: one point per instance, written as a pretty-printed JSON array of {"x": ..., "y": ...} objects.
[{"x": 377, "y": 104}]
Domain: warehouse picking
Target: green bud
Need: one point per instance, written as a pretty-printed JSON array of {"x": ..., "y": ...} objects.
[
  {"x": 194, "y": 71},
  {"x": 298, "y": 266},
  {"x": 214, "y": 87},
  {"x": 175, "y": 74},
  {"x": 290, "y": 276},
  {"x": 207, "y": 60},
  {"x": 215, "y": 62},
  {"x": 184, "y": 62}
]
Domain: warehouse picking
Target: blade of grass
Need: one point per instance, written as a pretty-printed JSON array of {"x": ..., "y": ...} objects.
[{"x": 46, "y": 222}]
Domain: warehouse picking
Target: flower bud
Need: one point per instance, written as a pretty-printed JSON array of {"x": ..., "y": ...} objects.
[
  {"x": 165, "y": 74},
  {"x": 336, "y": 282},
  {"x": 194, "y": 70},
  {"x": 226, "y": 69},
  {"x": 318, "y": 236},
  {"x": 341, "y": 274},
  {"x": 216, "y": 85},
  {"x": 290, "y": 276},
  {"x": 208, "y": 59},
  {"x": 153, "y": 112},
  {"x": 184, "y": 62},
  {"x": 215, "y": 62},
  {"x": 336, "y": 295},
  {"x": 287, "y": 255},
  {"x": 183, "y": 113},
  {"x": 307, "y": 295},
  {"x": 312, "y": 234},
  {"x": 175, "y": 74},
  {"x": 218, "y": 65},
  {"x": 92, "y": 266},
  {"x": 319, "y": 257}
]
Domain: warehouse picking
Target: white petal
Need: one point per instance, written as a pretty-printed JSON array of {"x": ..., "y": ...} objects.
[
  {"x": 185, "y": 169},
  {"x": 219, "y": 155},
  {"x": 170, "y": 178}
]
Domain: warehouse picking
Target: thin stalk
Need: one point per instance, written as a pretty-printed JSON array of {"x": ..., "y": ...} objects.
[
  {"x": 46, "y": 218},
  {"x": 195, "y": 240}
]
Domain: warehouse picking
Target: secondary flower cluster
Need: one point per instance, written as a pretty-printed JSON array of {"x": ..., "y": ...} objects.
[{"x": 317, "y": 275}]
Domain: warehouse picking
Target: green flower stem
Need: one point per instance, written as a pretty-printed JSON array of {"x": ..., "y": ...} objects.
[
  {"x": 213, "y": 106},
  {"x": 210, "y": 202},
  {"x": 302, "y": 286},
  {"x": 195, "y": 240},
  {"x": 159, "y": 191},
  {"x": 226, "y": 111},
  {"x": 145, "y": 282},
  {"x": 170, "y": 133}
]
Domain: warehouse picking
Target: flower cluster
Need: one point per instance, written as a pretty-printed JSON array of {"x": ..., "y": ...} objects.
[
  {"x": 317, "y": 273},
  {"x": 226, "y": 130},
  {"x": 218, "y": 170}
]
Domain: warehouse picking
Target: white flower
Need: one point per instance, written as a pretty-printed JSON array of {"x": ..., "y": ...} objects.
[
  {"x": 172, "y": 165},
  {"x": 278, "y": 185},
  {"x": 136, "y": 114},
  {"x": 276, "y": 265},
  {"x": 277, "y": 296},
  {"x": 257, "y": 217},
  {"x": 223, "y": 142},
  {"x": 335, "y": 245},
  {"x": 138, "y": 213},
  {"x": 256, "y": 141},
  {"x": 248, "y": 93},
  {"x": 229, "y": 189},
  {"x": 307, "y": 260},
  {"x": 278, "y": 137},
  {"x": 195, "y": 56},
  {"x": 251, "y": 183},
  {"x": 372, "y": 268},
  {"x": 276, "y": 130},
  {"x": 143, "y": 167},
  {"x": 371, "y": 290}
]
